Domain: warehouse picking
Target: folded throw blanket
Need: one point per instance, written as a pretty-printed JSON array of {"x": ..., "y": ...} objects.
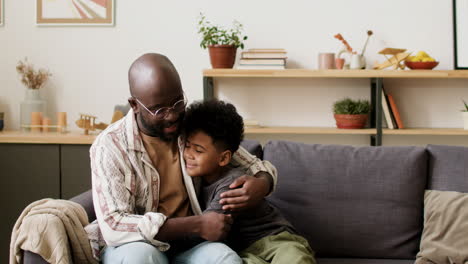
[{"x": 53, "y": 229}]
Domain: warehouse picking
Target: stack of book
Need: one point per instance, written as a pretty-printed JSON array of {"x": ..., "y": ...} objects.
[
  {"x": 391, "y": 112},
  {"x": 268, "y": 59}
]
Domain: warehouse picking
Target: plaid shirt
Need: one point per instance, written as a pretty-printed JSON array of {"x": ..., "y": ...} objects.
[{"x": 126, "y": 186}]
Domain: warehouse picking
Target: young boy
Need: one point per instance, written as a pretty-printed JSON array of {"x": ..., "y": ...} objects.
[{"x": 213, "y": 131}]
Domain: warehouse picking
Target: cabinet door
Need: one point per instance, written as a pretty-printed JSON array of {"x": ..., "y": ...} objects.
[
  {"x": 28, "y": 172},
  {"x": 75, "y": 170}
]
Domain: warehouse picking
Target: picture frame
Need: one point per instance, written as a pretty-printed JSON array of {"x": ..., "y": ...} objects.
[
  {"x": 460, "y": 33},
  {"x": 75, "y": 13}
]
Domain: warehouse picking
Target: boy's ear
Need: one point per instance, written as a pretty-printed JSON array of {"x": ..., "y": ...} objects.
[{"x": 225, "y": 158}]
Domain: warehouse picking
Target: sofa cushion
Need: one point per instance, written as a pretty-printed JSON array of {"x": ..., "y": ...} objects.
[
  {"x": 362, "y": 202},
  {"x": 32, "y": 258},
  {"x": 445, "y": 235},
  {"x": 86, "y": 200},
  {"x": 448, "y": 168},
  {"x": 363, "y": 261},
  {"x": 253, "y": 147}
]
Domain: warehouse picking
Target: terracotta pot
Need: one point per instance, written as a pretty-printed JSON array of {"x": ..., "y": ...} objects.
[
  {"x": 222, "y": 56},
  {"x": 351, "y": 121}
]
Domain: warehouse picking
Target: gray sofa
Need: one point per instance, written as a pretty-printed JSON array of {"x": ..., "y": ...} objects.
[{"x": 354, "y": 204}]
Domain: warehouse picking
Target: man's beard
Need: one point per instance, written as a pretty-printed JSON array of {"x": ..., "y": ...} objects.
[{"x": 157, "y": 130}]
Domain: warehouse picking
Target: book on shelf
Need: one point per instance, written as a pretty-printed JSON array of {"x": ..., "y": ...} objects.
[
  {"x": 262, "y": 61},
  {"x": 266, "y": 53},
  {"x": 267, "y": 50},
  {"x": 263, "y": 55},
  {"x": 260, "y": 67},
  {"x": 395, "y": 111},
  {"x": 392, "y": 116},
  {"x": 386, "y": 111}
]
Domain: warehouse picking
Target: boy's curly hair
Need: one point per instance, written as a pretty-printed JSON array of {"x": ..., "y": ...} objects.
[{"x": 217, "y": 119}]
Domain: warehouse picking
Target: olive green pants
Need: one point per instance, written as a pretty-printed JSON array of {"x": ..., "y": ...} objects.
[{"x": 283, "y": 248}]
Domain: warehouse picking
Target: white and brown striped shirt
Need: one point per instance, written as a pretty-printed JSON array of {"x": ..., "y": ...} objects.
[{"x": 126, "y": 186}]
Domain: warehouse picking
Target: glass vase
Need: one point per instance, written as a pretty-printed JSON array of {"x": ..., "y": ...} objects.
[{"x": 32, "y": 103}]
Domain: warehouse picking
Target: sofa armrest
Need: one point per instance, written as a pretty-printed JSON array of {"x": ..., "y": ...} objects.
[
  {"x": 86, "y": 200},
  {"x": 33, "y": 258}
]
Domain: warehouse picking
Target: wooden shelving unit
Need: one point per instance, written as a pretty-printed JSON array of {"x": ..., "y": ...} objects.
[
  {"x": 76, "y": 138},
  {"x": 304, "y": 73},
  {"x": 376, "y": 80},
  {"x": 309, "y": 130},
  {"x": 427, "y": 131},
  {"x": 367, "y": 131}
]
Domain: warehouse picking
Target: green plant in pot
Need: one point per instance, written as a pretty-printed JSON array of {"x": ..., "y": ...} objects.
[
  {"x": 351, "y": 114},
  {"x": 222, "y": 43}
]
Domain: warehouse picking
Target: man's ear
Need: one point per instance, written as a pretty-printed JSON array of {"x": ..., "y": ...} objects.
[
  {"x": 225, "y": 158},
  {"x": 133, "y": 104}
]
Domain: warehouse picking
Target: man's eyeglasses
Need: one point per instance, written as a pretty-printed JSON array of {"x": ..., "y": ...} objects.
[{"x": 161, "y": 113}]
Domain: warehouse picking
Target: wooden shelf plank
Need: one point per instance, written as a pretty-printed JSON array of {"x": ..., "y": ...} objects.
[
  {"x": 46, "y": 138},
  {"x": 427, "y": 131},
  {"x": 306, "y": 73},
  {"x": 80, "y": 139},
  {"x": 309, "y": 130}
]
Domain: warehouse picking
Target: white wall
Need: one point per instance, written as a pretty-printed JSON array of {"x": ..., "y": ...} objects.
[{"x": 89, "y": 64}]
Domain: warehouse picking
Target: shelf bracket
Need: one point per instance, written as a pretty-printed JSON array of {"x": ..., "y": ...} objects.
[
  {"x": 378, "y": 111},
  {"x": 208, "y": 88}
]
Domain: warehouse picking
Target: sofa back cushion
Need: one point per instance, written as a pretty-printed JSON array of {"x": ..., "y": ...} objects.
[
  {"x": 448, "y": 168},
  {"x": 364, "y": 202},
  {"x": 253, "y": 147}
]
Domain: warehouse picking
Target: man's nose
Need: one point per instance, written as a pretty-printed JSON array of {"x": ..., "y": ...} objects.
[{"x": 172, "y": 115}]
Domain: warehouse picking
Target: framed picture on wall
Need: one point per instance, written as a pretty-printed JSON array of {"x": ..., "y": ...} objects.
[
  {"x": 460, "y": 33},
  {"x": 75, "y": 12}
]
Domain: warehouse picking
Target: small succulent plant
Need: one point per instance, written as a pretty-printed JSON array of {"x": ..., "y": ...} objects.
[{"x": 348, "y": 106}]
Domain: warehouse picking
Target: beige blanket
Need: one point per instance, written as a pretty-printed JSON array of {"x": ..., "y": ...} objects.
[{"x": 54, "y": 229}]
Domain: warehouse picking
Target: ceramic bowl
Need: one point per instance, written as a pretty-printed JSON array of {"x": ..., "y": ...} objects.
[{"x": 419, "y": 65}]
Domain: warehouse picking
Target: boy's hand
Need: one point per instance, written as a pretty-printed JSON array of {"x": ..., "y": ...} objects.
[
  {"x": 250, "y": 191},
  {"x": 215, "y": 226}
]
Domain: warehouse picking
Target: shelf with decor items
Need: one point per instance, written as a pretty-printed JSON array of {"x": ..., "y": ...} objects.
[
  {"x": 376, "y": 77},
  {"x": 308, "y": 130}
]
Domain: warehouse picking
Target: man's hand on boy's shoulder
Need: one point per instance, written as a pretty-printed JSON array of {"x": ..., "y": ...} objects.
[
  {"x": 215, "y": 226},
  {"x": 248, "y": 192}
]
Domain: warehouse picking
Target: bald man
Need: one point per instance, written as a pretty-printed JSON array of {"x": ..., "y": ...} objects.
[{"x": 145, "y": 202}]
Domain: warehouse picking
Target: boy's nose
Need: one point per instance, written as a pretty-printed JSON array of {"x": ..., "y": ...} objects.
[{"x": 187, "y": 154}]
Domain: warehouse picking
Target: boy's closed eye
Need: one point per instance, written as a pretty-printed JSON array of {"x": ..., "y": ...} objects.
[{"x": 197, "y": 148}]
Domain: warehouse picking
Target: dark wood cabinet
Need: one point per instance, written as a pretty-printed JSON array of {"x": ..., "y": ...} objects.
[
  {"x": 75, "y": 170},
  {"x": 30, "y": 172}
]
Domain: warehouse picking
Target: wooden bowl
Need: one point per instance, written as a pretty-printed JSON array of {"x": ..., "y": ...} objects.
[{"x": 419, "y": 65}]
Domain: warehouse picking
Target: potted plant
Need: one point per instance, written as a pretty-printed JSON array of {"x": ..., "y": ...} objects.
[
  {"x": 351, "y": 114},
  {"x": 465, "y": 116},
  {"x": 222, "y": 43}
]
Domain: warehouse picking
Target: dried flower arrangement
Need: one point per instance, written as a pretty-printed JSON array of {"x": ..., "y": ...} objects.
[{"x": 30, "y": 77}]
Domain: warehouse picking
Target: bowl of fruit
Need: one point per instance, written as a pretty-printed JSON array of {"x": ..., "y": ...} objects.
[{"x": 422, "y": 61}]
